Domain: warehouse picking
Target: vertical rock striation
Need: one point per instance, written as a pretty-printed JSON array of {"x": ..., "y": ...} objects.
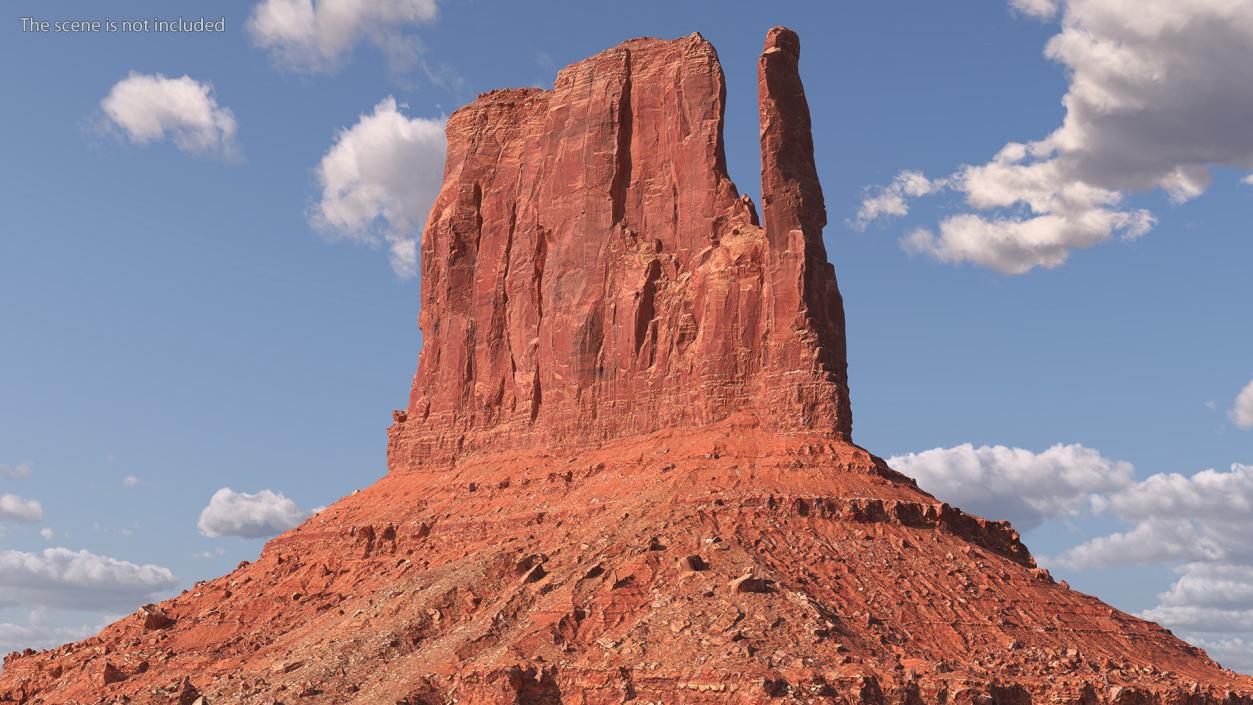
[
  {"x": 807, "y": 301},
  {"x": 589, "y": 270}
]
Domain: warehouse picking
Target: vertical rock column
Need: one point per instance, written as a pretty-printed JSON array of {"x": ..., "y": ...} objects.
[{"x": 807, "y": 315}]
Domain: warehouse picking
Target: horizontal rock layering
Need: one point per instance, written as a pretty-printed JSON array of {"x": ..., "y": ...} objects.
[{"x": 589, "y": 270}]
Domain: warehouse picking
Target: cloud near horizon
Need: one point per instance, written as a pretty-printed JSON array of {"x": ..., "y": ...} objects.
[
  {"x": 16, "y": 636},
  {"x": 149, "y": 108},
  {"x": 61, "y": 578},
  {"x": 1157, "y": 96},
  {"x": 379, "y": 180}
]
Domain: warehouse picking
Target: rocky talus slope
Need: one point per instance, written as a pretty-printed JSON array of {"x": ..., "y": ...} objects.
[{"x": 625, "y": 473}]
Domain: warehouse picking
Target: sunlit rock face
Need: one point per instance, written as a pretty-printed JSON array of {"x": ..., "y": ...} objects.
[{"x": 589, "y": 270}]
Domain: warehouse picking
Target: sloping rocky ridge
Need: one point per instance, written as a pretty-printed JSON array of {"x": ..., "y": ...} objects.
[
  {"x": 588, "y": 546},
  {"x": 617, "y": 575}
]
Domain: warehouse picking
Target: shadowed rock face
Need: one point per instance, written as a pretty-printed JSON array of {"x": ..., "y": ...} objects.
[
  {"x": 708, "y": 535},
  {"x": 589, "y": 270}
]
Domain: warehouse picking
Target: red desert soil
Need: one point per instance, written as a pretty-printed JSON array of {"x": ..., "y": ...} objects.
[{"x": 625, "y": 473}]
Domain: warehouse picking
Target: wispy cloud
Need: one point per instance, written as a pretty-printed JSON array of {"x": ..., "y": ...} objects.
[
  {"x": 892, "y": 201},
  {"x": 20, "y": 471}
]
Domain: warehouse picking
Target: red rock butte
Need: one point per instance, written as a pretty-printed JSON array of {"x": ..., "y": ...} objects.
[
  {"x": 590, "y": 272},
  {"x": 625, "y": 473}
]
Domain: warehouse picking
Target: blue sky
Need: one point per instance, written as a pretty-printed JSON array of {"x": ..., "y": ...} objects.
[{"x": 194, "y": 297}]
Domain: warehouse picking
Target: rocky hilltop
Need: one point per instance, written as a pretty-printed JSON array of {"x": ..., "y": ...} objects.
[{"x": 625, "y": 472}]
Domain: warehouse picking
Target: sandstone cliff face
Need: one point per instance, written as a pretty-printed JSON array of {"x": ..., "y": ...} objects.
[
  {"x": 625, "y": 475},
  {"x": 589, "y": 270}
]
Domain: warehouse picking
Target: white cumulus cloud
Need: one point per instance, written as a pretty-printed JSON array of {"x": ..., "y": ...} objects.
[
  {"x": 320, "y": 35},
  {"x": 151, "y": 107},
  {"x": 1217, "y": 496},
  {"x": 1219, "y": 586},
  {"x": 66, "y": 579},
  {"x": 1157, "y": 97},
  {"x": 1242, "y": 411},
  {"x": 22, "y": 511},
  {"x": 266, "y": 513},
  {"x": 1019, "y": 485},
  {"x": 1207, "y": 516},
  {"x": 1147, "y": 542},
  {"x": 379, "y": 180}
]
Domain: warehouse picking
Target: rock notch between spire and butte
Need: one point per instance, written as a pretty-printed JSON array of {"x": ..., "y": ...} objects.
[{"x": 625, "y": 472}]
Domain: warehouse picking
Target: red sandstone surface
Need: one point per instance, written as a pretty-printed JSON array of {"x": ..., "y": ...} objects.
[
  {"x": 590, "y": 272},
  {"x": 625, "y": 473}
]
